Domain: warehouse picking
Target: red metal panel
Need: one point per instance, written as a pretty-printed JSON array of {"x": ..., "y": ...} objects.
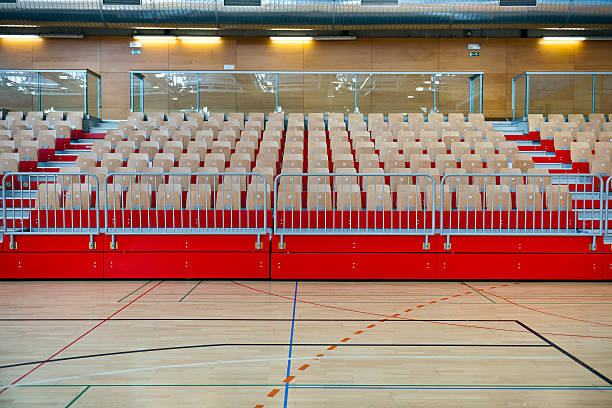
[
  {"x": 187, "y": 243},
  {"x": 181, "y": 265},
  {"x": 352, "y": 243},
  {"x": 519, "y": 266},
  {"x": 353, "y": 266},
  {"x": 55, "y": 243},
  {"x": 607, "y": 266},
  {"x": 518, "y": 244},
  {"x": 55, "y": 265}
]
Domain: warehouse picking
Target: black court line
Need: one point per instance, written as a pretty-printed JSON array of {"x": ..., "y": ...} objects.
[
  {"x": 230, "y": 319},
  {"x": 135, "y": 290},
  {"x": 565, "y": 352},
  {"x": 479, "y": 292},
  {"x": 192, "y": 289},
  {"x": 196, "y": 346}
]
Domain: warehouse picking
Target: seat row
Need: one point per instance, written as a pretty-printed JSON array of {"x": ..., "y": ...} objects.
[
  {"x": 37, "y": 120},
  {"x": 537, "y": 120}
]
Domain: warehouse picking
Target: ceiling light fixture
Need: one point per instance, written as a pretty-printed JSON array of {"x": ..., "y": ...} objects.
[
  {"x": 19, "y": 36},
  {"x": 154, "y": 37},
  {"x": 291, "y": 39},
  {"x": 209, "y": 39},
  {"x": 566, "y": 39}
]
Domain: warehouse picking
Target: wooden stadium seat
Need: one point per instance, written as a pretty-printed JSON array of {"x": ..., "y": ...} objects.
[
  {"x": 558, "y": 198},
  {"x": 191, "y": 161},
  {"x": 395, "y": 161},
  {"x": 348, "y": 198},
  {"x": 78, "y": 196},
  {"x": 5, "y": 134},
  {"x": 123, "y": 180},
  {"x": 587, "y": 137},
  {"x": 449, "y": 137},
  {"x": 378, "y": 197},
  {"x": 138, "y": 197},
  {"x": 580, "y": 151},
  {"x": 496, "y": 162},
  {"x": 86, "y": 160},
  {"x": 508, "y": 149},
  {"x": 66, "y": 181},
  {"x": 484, "y": 149},
  {"x": 342, "y": 161},
  {"x": 153, "y": 181},
  {"x": 319, "y": 197},
  {"x": 523, "y": 162},
  {"x": 497, "y": 198},
  {"x": 198, "y": 148},
  {"x": 113, "y": 198},
  {"x": 112, "y": 137},
  {"x": 495, "y": 137},
  {"x": 576, "y": 118},
  {"x": 367, "y": 181},
  {"x": 445, "y": 161},
  {"x": 529, "y": 198},
  {"x": 181, "y": 180},
  {"x": 113, "y": 161},
  {"x": 230, "y": 180},
  {"x": 409, "y": 198},
  {"x": 599, "y": 164},
  {"x": 216, "y": 160},
  {"x": 468, "y": 198},
  {"x": 222, "y": 147},
  {"x": 472, "y": 137},
  {"x": 471, "y": 163},
  {"x": 562, "y": 140},
  {"x": 242, "y": 160},
  {"x": 436, "y": 148},
  {"x": 441, "y": 198},
  {"x": 198, "y": 197},
  {"x": 419, "y": 161},
  {"x": 168, "y": 197},
  {"x": 48, "y": 196},
  {"x": 267, "y": 172},
  {"x": 164, "y": 161},
  {"x": 159, "y": 136},
  {"x": 540, "y": 177},
  {"x": 458, "y": 149},
  {"x": 149, "y": 148},
  {"x": 138, "y": 161},
  {"x": 137, "y": 136},
  {"x": 605, "y": 136},
  {"x": 603, "y": 148},
  {"x": 289, "y": 197},
  {"x": 101, "y": 147},
  {"x": 427, "y": 137},
  {"x": 206, "y": 136},
  {"x": 7, "y": 146},
  {"x": 125, "y": 148},
  {"x": 598, "y": 118},
  {"x": 256, "y": 194},
  {"x": 46, "y": 139},
  {"x": 534, "y": 120},
  {"x": 23, "y": 136},
  {"x": 28, "y": 151}
]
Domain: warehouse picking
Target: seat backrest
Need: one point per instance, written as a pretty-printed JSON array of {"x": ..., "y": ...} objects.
[
  {"x": 529, "y": 198},
  {"x": 378, "y": 197},
  {"x": 138, "y": 196},
  {"x": 168, "y": 197},
  {"x": 198, "y": 197}
]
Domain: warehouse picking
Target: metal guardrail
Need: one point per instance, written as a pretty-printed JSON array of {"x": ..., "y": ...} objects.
[
  {"x": 606, "y": 205},
  {"x": 354, "y": 204},
  {"x": 305, "y": 204},
  {"x": 186, "y": 203},
  {"x": 61, "y": 204},
  {"x": 522, "y": 204}
]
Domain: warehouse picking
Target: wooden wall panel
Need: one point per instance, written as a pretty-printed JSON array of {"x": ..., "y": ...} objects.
[
  {"x": 530, "y": 54},
  {"x": 66, "y": 53},
  {"x": 116, "y": 56},
  {"x": 15, "y": 54},
  {"x": 454, "y": 55},
  {"x": 398, "y": 54},
  {"x": 338, "y": 55},
  {"x": 262, "y": 54},
  {"x": 185, "y": 55},
  {"x": 500, "y": 59}
]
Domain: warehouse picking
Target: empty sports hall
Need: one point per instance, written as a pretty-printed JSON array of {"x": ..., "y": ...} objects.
[{"x": 306, "y": 204}]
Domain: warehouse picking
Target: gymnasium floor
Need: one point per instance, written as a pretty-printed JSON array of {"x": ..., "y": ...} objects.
[{"x": 341, "y": 344}]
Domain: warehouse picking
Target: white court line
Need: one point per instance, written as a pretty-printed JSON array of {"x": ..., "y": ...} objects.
[{"x": 262, "y": 360}]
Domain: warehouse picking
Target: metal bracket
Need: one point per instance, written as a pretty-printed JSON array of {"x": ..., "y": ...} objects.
[
  {"x": 426, "y": 245},
  {"x": 282, "y": 244},
  {"x": 13, "y": 243},
  {"x": 259, "y": 244},
  {"x": 92, "y": 242},
  {"x": 594, "y": 244},
  {"x": 113, "y": 243},
  {"x": 447, "y": 244}
]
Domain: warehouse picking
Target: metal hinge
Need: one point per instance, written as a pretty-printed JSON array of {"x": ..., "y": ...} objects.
[
  {"x": 426, "y": 246},
  {"x": 92, "y": 245}
]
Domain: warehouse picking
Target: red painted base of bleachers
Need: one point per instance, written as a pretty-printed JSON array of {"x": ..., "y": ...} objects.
[{"x": 305, "y": 257}]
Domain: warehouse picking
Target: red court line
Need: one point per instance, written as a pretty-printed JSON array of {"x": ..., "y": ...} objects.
[
  {"x": 403, "y": 318},
  {"x": 78, "y": 338},
  {"x": 546, "y": 313}
]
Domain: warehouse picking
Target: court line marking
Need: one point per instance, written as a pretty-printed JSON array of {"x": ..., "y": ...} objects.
[
  {"x": 405, "y": 318},
  {"x": 290, "y": 348},
  {"x": 4, "y": 388},
  {"x": 203, "y": 346},
  {"x": 80, "y": 394},
  {"x": 450, "y": 387},
  {"x": 566, "y": 353},
  {"x": 135, "y": 290},
  {"x": 264, "y": 360},
  {"x": 547, "y": 313},
  {"x": 481, "y": 294},
  {"x": 192, "y": 289}
]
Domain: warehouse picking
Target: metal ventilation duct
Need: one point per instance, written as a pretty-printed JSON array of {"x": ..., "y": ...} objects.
[{"x": 318, "y": 14}]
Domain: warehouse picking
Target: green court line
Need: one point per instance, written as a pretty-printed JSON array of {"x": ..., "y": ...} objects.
[
  {"x": 315, "y": 385},
  {"x": 135, "y": 290},
  {"x": 78, "y": 396},
  {"x": 192, "y": 289}
]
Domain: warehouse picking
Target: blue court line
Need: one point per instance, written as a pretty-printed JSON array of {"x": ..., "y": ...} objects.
[
  {"x": 290, "y": 346},
  {"x": 420, "y": 387}
]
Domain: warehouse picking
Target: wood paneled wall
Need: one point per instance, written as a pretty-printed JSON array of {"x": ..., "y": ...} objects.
[{"x": 500, "y": 59}]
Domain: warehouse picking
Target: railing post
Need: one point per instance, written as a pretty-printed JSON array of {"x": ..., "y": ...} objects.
[
  {"x": 594, "y": 86},
  {"x": 481, "y": 91},
  {"x": 38, "y": 99},
  {"x": 356, "y": 109},
  {"x": 513, "y": 98},
  {"x": 197, "y": 91},
  {"x": 85, "y": 96},
  {"x": 276, "y": 109},
  {"x": 526, "y": 94},
  {"x": 435, "y": 95}
]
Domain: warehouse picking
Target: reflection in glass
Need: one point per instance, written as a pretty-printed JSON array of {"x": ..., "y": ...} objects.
[
  {"x": 18, "y": 90},
  {"x": 519, "y": 97},
  {"x": 62, "y": 91},
  {"x": 329, "y": 93},
  {"x": 603, "y": 93},
  {"x": 255, "y": 92},
  {"x": 92, "y": 88},
  {"x": 291, "y": 92},
  {"x": 560, "y": 93},
  {"x": 217, "y": 92},
  {"x": 453, "y": 93},
  {"x": 395, "y": 93}
]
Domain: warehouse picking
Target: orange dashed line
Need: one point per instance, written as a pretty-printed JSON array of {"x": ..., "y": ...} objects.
[
  {"x": 492, "y": 287},
  {"x": 505, "y": 285},
  {"x": 467, "y": 293},
  {"x": 259, "y": 406},
  {"x": 444, "y": 299},
  {"x": 383, "y": 320},
  {"x": 344, "y": 340},
  {"x": 456, "y": 295},
  {"x": 421, "y": 306},
  {"x": 432, "y": 302},
  {"x": 408, "y": 310},
  {"x": 320, "y": 355},
  {"x": 331, "y": 347},
  {"x": 372, "y": 325},
  {"x": 396, "y": 315},
  {"x": 288, "y": 379},
  {"x": 305, "y": 366},
  {"x": 359, "y": 332},
  {"x": 273, "y": 392}
]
